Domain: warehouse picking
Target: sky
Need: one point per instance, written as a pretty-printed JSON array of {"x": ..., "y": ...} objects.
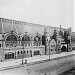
[{"x": 44, "y": 12}]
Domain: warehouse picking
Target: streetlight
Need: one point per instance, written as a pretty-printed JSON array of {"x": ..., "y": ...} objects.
[
  {"x": 49, "y": 50},
  {"x": 49, "y": 54},
  {"x": 22, "y": 54}
]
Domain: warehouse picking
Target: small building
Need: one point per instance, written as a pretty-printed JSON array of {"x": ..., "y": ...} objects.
[{"x": 52, "y": 47}]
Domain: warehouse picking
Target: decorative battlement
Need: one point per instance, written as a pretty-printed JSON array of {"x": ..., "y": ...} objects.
[
  {"x": 18, "y": 22},
  {"x": 11, "y": 21}
]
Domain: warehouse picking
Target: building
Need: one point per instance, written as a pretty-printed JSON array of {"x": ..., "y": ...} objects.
[
  {"x": 18, "y": 38},
  {"x": 52, "y": 47},
  {"x": 21, "y": 39},
  {"x": 73, "y": 40}
]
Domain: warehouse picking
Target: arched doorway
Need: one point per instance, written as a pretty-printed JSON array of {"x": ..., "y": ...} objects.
[
  {"x": 9, "y": 55},
  {"x": 63, "y": 49},
  {"x": 11, "y": 41}
]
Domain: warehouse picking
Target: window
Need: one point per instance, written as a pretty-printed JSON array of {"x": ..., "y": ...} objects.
[
  {"x": 53, "y": 45},
  {"x": 37, "y": 52},
  {"x": 0, "y": 45},
  {"x": 58, "y": 49},
  {"x": 27, "y": 51},
  {"x": 18, "y": 52},
  {"x": 45, "y": 74},
  {"x": 37, "y": 40},
  {"x": 43, "y": 40},
  {"x": 26, "y": 40},
  {"x": 24, "y": 52},
  {"x": 11, "y": 40},
  {"x": 21, "y": 52},
  {"x": 51, "y": 49},
  {"x": 15, "y": 44},
  {"x": 30, "y": 51}
]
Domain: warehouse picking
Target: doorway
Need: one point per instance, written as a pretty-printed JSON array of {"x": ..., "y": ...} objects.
[
  {"x": 63, "y": 49},
  {"x": 9, "y": 55}
]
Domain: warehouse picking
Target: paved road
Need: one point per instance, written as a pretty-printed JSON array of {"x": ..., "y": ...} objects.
[
  {"x": 21, "y": 70},
  {"x": 13, "y": 71},
  {"x": 69, "y": 72}
]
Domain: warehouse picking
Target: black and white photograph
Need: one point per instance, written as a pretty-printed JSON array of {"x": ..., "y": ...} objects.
[{"x": 37, "y": 37}]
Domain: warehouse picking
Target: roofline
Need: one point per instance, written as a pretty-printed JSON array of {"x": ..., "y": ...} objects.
[{"x": 32, "y": 24}]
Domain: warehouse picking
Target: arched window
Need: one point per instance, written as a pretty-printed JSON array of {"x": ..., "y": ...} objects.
[
  {"x": 25, "y": 40},
  {"x": 21, "y": 52},
  {"x": 24, "y": 52},
  {"x": 37, "y": 40},
  {"x": 11, "y": 40},
  {"x": 27, "y": 51},
  {"x": 18, "y": 52}
]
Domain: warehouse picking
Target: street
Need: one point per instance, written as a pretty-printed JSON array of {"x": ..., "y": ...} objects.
[
  {"x": 69, "y": 72},
  {"x": 55, "y": 65}
]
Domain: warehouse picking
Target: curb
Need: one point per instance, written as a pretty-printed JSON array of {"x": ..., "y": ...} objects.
[
  {"x": 47, "y": 60},
  {"x": 11, "y": 67}
]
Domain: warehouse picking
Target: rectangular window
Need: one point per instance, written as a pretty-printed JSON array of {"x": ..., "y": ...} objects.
[
  {"x": 0, "y": 45},
  {"x": 18, "y": 52}
]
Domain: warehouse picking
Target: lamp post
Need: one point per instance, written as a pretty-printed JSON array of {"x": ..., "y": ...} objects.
[
  {"x": 49, "y": 50},
  {"x": 23, "y": 55},
  {"x": 49, "y": 54}
]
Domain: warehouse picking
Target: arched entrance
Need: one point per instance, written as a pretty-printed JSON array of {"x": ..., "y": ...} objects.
[
  {"x": 9, "y": 55},
  {"x": 11, "y": 41},
  {"x": 63, "y": 49}
]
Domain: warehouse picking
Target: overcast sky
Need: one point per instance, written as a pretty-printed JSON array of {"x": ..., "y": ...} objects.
[{"x": 44, "y": 12}]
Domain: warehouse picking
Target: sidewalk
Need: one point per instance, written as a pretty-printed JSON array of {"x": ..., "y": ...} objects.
[{"x": 18, "y": 63}]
